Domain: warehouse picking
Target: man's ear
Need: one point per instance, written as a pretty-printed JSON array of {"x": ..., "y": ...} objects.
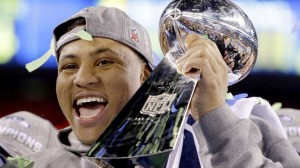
[{"x": 146, "y": 73}]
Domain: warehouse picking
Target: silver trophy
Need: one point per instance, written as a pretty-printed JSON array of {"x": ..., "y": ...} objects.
[
  {"x": 221, "y": 21},
  {"x": 147, "y": 129}
]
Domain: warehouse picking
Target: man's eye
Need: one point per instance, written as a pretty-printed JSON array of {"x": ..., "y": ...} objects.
[
  {"x": 69, "y": 67},
  {"x": 104, "y": 62}
]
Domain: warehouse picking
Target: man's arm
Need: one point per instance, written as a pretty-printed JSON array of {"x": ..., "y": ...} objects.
[{"x": 226, "y": 140}]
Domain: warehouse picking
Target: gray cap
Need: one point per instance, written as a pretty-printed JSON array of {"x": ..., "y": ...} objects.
[
  {"x": 290, "y": 119},
  {"x": 106, "y": 22},
  {"x": 22, "y": 133}
]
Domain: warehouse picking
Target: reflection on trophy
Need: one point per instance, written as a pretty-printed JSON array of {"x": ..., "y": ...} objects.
[{"x": 222, "y": 22}]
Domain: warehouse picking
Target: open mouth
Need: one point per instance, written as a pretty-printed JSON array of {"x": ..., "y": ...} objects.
[{"x": 89, "y": 107}]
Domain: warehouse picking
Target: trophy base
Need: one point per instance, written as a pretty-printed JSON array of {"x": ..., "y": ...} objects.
[{"x": 157, "y": 160}]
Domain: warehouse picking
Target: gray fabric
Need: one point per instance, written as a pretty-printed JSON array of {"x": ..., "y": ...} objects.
[
  {"x": 62, "y": 156},
  {"x": 23, "y": 133},
  {"x": 226, "y": 140},
  {"x": 107, "y": 22}
]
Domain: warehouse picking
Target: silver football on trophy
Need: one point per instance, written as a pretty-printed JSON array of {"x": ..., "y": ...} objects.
[{"x": 221, "y": 21}]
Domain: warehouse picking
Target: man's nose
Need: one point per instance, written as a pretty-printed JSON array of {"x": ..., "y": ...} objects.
[{"x": 85, "y": 77}]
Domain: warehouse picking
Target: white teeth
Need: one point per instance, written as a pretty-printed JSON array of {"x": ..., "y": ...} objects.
[
  {"x": 79, "y": 102},
  {"x": 88, "y": 117}
]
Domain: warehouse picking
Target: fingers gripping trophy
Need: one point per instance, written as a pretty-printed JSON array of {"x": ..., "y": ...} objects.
[{"x": 147, "y": 129}]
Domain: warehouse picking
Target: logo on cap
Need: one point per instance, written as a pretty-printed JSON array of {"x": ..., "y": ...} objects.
[
  {"x": 19, "y": 120},
  {"x": 285, "y": 118},
  {"x": 133, "y": 35}
]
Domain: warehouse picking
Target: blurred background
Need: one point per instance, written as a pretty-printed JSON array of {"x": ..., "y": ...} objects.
[{"x": 26, "y": 30}]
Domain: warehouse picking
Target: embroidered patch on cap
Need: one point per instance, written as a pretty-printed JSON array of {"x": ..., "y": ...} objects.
[
  {"x": 19, "y": 120},
  {"x": 134, "y": 35},
  {"x": 285, "y": 118}
]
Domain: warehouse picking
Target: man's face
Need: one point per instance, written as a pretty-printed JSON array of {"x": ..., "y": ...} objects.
[{"x": 95, "y": 80}]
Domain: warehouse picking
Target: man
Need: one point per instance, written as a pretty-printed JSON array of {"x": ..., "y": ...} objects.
[{"x": 96, "y": 79}]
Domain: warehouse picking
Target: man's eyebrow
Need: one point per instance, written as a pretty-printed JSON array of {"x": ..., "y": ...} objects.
[
  {"x": 102, "y": 50},
  {"x": 63, "y": 57},
  {"x": 105, "y": 50},
  {"x": 92, "y": 53}
]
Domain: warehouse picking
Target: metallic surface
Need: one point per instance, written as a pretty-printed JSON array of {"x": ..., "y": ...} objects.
[{"x": 221, "y": 21}]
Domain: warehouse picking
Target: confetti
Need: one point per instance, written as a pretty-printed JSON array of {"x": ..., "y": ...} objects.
[
  {"x": 40, "y": 61},
  {"x": 276, "y": 106},
  {"x": 84, "y": 35},
  {"x": 20, "y": 162},
  {"x": 296, "y": 27},
  {"x": 229, "y": 96}
]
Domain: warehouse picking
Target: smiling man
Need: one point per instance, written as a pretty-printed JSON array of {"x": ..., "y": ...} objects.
[{"x": 97, "y": 78}]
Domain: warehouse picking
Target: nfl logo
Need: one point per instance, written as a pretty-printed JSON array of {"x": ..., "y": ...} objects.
[
  {"x": 133, "y": 35},
  {"x": 158, "y": 104}
]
